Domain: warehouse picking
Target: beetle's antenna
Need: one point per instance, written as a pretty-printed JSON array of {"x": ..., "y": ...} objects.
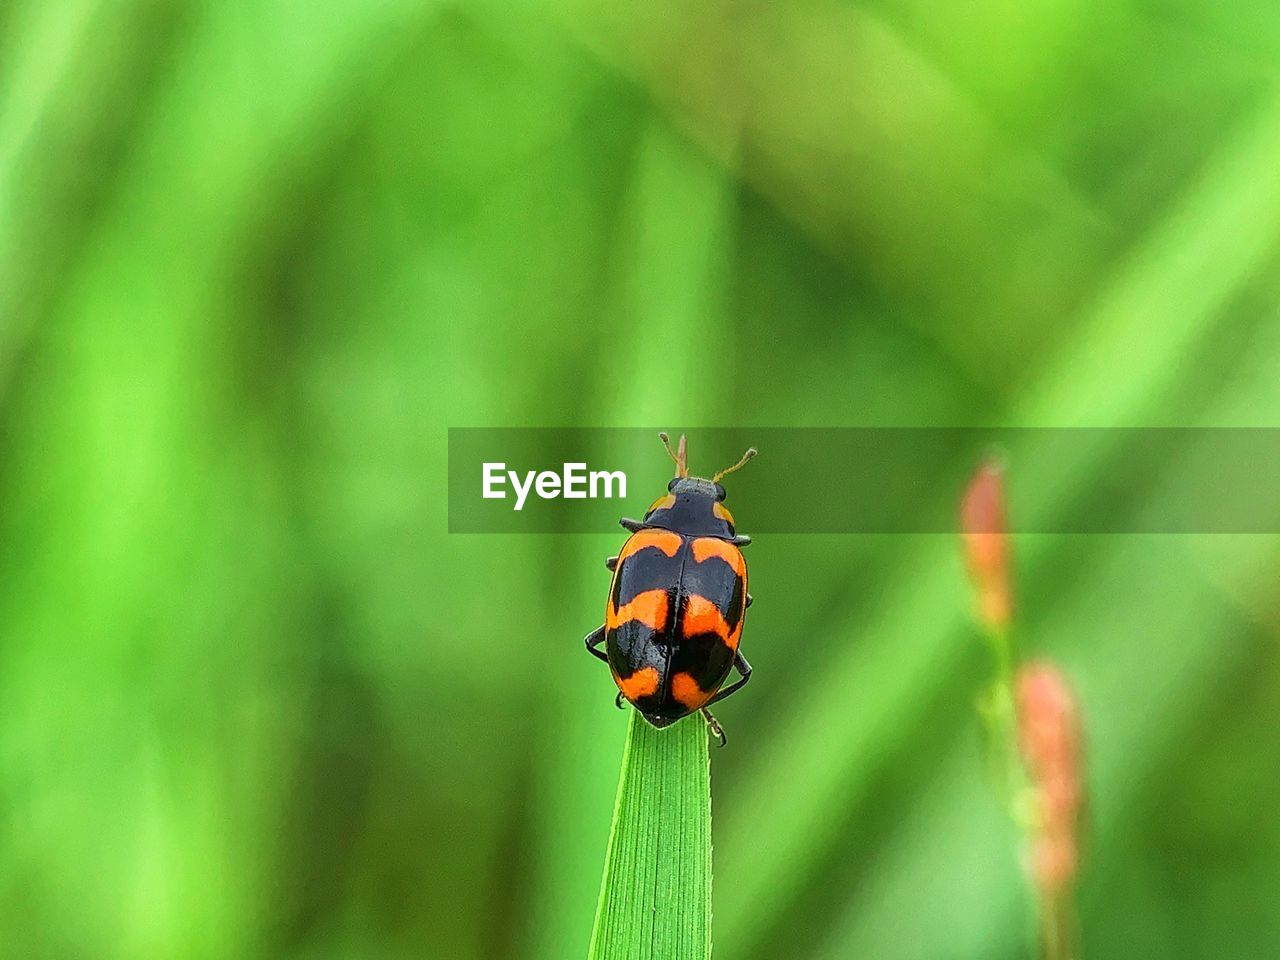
[
  {"x": 751, "y": 452},
  {"x": 681, "y": 458}
]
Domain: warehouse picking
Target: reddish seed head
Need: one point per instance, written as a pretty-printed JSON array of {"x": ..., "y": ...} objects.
[
  {"x": 1049, "y": 738},
  {"x": 986, "y": 541}
]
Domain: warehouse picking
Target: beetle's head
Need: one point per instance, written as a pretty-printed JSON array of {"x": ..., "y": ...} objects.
[{"x": 692, "y": 505}]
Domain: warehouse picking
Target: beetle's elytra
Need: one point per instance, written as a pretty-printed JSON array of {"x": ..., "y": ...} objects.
[{"x": 678, "y": 601}]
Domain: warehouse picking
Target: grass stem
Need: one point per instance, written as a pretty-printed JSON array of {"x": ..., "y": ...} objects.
[{"x": 655, "y": 897}]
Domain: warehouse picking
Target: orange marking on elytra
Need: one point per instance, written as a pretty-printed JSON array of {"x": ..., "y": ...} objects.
[
  {"x": 642, "y": 683},
  {"x": 705, "y": 547},
  {"x": 664, "y": 540},
  {"x": 703, "y": 616},
  {"x": 686, "y": 690},
  {"x": 649, "y": 608}
]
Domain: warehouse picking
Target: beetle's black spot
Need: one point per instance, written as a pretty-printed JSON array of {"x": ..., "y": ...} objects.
[
  {"x": 737, "y": 603},
  {"x": 645, "y": 570},
  {"x": 716, "y": 580},
  {"x": 705, "y": 657}
]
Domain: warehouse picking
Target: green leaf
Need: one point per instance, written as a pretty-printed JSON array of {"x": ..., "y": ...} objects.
[{"x": 655, "y": 898}]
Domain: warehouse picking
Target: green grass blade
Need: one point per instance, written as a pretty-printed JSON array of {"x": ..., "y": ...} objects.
[{"x": 655, "y": 898}]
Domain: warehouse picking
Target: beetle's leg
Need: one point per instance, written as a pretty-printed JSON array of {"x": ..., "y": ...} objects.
[
  {"x": 750, "y": 600},
  {"x": 713, "y": 725},
  {"x": 611, "y": 563},
  {"x": 593, "y": 641},
  {"x": 633, "y": 525},
  {"x": 744, "y": 668},
  {"x": 618, "y": 702},
  {"x": 742, "y": 540}
]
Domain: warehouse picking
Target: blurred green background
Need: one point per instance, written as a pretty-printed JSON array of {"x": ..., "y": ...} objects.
[{"x": 255, "y": 257}]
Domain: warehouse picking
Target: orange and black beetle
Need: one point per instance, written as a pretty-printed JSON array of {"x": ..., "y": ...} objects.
[{"x": 677, "y": 602}]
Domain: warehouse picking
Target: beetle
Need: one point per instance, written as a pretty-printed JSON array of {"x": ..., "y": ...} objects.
[{"x": 677, "y": 602}]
